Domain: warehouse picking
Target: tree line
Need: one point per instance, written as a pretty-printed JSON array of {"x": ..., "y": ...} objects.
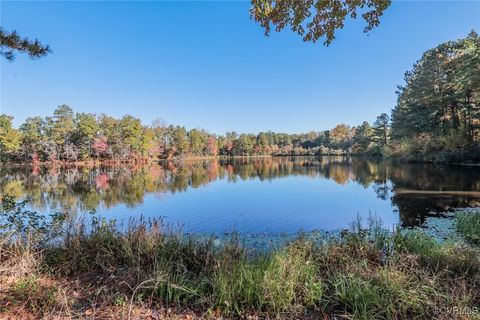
[
  {"x": 437, "y": 115},
  {"x": 436, "y": 118},
  {"x": 69, "y": 136}
]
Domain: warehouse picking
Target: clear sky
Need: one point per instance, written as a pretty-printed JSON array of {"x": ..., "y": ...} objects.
[{"x": 208, "y": 65}]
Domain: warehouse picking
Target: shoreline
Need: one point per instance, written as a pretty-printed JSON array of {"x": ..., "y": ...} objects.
[
  {"x": 144, "y": 161},
  {"x": 114, "y": 162}
]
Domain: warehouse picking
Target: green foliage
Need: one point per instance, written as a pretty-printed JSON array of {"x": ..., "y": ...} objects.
[
  {"x": 180, "y": 140},
  {"x": 10, "y": 138},
  {"x": 69, "y": 136},
  {"x": 197, "y": 141},
  {"x": 24, "y": 224},
  {"x": 315, "y": 19},
  {"x": 243, "y": 146},
  {"x": 437, "y": 116},
  {"x": 380, "y": 130},
  {"x": 367, "y": 273},
  {"x": 438, "y": 257},
  {"x": 61, "y": 125},
  {"x": 86, "y": 129},
  {"x": 283, "y": 281},
  {"x": 468, "y": 224},
  {"x": 11, "y": 42},
  {"x": 360, "y": 298},
  {"x": 39, "y": 298},
  {"x": 33, "y": 131},
  {"x": 363, "y": 138}
]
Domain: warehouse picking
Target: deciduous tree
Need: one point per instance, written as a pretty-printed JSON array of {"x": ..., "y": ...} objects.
[{"x": 315, "y": 19}]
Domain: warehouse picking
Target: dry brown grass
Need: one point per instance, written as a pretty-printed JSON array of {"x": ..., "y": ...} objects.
[{"x": 148, "y": 272}]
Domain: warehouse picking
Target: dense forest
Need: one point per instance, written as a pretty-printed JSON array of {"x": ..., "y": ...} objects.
[
  {"x": 69, "y": 136},
  {"x": 436, "y": 118}
]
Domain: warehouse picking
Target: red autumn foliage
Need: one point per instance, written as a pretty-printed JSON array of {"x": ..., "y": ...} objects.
[
  {"x": 101, "y": 182},
  {"x": 100, "y": 146}
]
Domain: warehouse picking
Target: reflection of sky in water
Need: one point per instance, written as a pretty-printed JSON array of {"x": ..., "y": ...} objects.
[
  {"x": 285, "y": 204},
  {"x": 255, "y": 196}
]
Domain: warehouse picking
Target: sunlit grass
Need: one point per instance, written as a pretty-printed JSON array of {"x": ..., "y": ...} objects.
[
  {"x": 367, "y": 273},
  {"x": 468, "y": 224}
]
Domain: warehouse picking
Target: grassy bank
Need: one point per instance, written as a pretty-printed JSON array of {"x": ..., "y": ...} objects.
[
  {"x": 150, "y": 270},
  {"x": 468, "y": 224}
]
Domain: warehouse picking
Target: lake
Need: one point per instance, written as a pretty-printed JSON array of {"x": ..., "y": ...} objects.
[{"x": 255, "y": 195}]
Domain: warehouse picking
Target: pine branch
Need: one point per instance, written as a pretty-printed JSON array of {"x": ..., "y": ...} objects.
[{"x": 11, "y": 43}]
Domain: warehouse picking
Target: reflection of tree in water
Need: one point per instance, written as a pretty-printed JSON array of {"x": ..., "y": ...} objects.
[
  {"x": 101, "y": 182},
  {"x": 75, "y": 189},
  {"x": 414, "y": 209},
  {"x": 425, "y": 184},
  {"x": 382, "y": 190}
]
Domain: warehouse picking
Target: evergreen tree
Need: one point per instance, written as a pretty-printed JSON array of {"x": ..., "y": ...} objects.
[
  {"x": 380, "y": 130},
  {"x": 11, "y": 43},
  {"x": 363, "y": 138},
  {"x": 437, "y": 116}
]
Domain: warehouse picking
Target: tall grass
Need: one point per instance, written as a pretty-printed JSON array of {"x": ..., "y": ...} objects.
[
  {"x": 468, "y": 224},
  {"x": 367, "y": 273}
]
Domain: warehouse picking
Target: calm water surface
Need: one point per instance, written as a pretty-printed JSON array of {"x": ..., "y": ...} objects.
[{"x": 272, "y": 195}]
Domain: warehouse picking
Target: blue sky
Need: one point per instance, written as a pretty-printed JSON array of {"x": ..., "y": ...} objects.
[{"x": 206, "y": 64}]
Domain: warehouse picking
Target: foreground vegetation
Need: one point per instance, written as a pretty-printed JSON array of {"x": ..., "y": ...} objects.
[
  {"x": 468, "y": 224},
  {"x": 367, "y": 273}
]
